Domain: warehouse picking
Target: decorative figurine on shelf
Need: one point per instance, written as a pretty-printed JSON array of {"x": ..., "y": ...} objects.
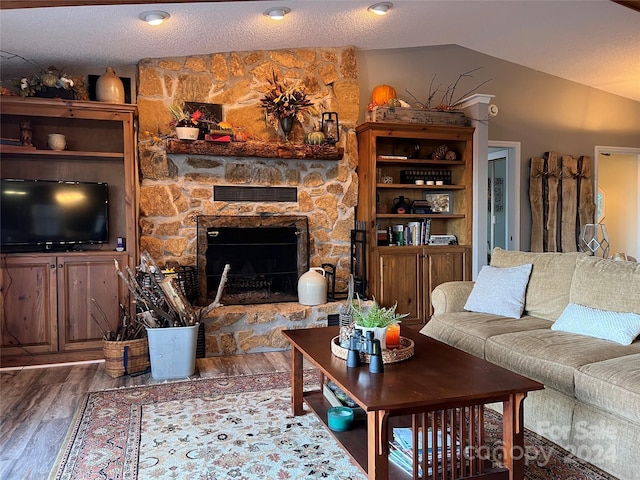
[{"x": 26, "y": 134}]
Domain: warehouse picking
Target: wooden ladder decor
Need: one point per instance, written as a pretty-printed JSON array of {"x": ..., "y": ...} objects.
[{"x": 561, "y": 197}]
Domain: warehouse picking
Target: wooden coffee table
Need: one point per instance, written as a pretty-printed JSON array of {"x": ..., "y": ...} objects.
[{"x": 439, "y": 386}]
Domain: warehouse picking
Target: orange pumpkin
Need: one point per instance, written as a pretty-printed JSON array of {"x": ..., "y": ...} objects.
[
  {"x": 240, "y": 136},
  {"x": 382, "y": 94}
]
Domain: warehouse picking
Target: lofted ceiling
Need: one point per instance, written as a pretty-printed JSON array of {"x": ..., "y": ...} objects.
[{"x": 594, "y": 42}]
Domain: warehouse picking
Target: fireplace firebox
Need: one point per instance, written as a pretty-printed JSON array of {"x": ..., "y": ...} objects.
[{"x": 267, "y": 255}]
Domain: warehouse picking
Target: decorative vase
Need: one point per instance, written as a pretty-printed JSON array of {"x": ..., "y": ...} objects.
[
  {"x": 187, "y": 130},
  {"x": 56, "y": 141},
  {"x": 109, "y": 87},
  {"x": 286, "y": 123},
  {"x": 400, "y": 205},
  {"x": 312, "y": 287}
]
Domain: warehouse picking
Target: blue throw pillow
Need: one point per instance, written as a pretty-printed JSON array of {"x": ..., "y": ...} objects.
[{"x": 617, "y": 327}]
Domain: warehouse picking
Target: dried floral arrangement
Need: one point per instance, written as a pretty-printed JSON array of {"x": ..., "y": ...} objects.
[
  {"x": 283, "y": 99},
  {"x": 52, "y": 77},
  {"x": 181, "y": 118},
  {"x": 45, "y": 78}
]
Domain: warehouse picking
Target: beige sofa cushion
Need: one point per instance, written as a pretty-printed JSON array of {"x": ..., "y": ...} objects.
[
  {"x": 468, "y": 331},
  {"x": 612, "y": 385},
  {"x": 550, "y": 280},
  {"x": 606, "y": 284},
  {"x": 551, "y": 357}
]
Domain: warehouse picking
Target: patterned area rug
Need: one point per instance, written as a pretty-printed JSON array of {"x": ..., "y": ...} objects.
[{"x": 234, "y": 428}]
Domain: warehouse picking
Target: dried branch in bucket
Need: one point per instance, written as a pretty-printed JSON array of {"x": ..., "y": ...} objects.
[{"x": 160, "y": 300}]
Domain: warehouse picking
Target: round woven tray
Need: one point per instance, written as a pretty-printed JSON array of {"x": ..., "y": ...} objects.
[{"x": 404, "y": 352}]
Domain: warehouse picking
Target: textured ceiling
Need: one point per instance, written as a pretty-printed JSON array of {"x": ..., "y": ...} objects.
[{"x": 595, "y": 43}]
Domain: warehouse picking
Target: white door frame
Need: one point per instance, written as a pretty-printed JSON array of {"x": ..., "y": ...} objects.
[{"x": 510, "y": 150}]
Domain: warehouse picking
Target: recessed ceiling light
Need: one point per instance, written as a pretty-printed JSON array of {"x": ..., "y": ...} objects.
[
  {"x": 380, "y": 8},
  {"x": 154, "y": 17},
  {"x": 277, "y": 13}
]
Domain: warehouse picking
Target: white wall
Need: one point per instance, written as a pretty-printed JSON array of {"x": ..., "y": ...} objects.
[{"x": 618, "y": 177}]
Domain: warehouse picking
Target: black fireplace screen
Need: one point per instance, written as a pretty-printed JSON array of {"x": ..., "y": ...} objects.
[{"x": 265, "y": 255}]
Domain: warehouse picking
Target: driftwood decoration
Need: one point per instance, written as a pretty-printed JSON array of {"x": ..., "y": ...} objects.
[
  {"x": 561, "y": 197},
  {"x": 569, "y": 238},
  {"x": 586, "y": 200},
  {"x": 543, "y": 196}
]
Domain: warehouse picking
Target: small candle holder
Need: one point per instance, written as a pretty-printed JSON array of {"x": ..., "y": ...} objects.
[{"x": 393, "y": 336}]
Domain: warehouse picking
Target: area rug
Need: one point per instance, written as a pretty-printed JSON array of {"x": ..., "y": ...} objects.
[{"x": 234, "y": 428}]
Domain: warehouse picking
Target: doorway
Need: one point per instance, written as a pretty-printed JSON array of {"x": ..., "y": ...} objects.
[
  {"x": 617, "y": 183},
  {"x": 503, "y": 192}
]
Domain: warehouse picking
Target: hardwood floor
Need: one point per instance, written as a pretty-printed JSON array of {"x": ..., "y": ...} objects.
[{"x": 37, "y": 405}]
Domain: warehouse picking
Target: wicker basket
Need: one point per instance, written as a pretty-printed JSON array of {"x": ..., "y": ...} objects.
[
  {"x": 404, "y": 352},
  {"x": 117, "y": 363},
  {"x": 186, "y": 277}
]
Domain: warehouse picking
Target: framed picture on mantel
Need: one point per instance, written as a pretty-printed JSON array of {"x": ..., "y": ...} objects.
[{"x": 211, "y": 112}]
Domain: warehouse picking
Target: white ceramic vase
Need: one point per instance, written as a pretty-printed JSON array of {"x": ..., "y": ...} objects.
[{"x": 312, "y": 287}]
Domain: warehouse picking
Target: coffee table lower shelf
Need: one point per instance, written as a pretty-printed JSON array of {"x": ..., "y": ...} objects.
[{"x": 354, "y": 442}]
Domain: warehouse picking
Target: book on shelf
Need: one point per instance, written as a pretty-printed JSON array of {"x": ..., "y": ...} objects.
[
  {"x": 416, "y": 233},
  {"x": 401, "y": 449}
]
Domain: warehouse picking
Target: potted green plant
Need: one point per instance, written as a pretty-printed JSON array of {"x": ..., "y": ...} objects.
[{"x": 375, "y": 318}]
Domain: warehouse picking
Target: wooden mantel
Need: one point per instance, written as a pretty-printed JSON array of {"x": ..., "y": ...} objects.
[{"x": 256, "y": 149}]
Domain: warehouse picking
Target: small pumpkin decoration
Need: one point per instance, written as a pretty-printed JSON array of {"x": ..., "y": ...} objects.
[
  {"x": 394, "y": 102},
  {"x": 49, "y": 80},
  {"x": 240, "y": 136},
  {"x": 315, "y": 137},
  {"x": 382, "y": 94}
]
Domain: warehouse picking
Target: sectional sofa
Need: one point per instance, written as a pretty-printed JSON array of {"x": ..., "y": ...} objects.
[{"x": 591, "y": 401}]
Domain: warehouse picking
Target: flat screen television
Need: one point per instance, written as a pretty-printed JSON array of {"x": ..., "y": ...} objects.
[{"x": 52, "y": 215}]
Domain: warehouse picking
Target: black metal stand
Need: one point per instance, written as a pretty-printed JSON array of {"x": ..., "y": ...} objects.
[{"x": 359, "y": 260}]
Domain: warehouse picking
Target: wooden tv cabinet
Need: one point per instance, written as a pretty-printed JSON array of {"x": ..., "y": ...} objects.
[{"x": 46, "y": 296}]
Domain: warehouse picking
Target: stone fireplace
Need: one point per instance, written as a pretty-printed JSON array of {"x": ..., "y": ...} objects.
[
  {"x": 267, "y": 255},
  {"x": 178, "y": 189}
]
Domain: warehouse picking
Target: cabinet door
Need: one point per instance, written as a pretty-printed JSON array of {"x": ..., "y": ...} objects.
[
  {"x": 400, "y": 277},
  {"x": 28, "y": 300},
  {"x": 442, "y": 267},
  {"x": 81, "y": 279}
]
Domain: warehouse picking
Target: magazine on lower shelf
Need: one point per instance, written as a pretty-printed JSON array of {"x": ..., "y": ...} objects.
[{"x": 401, "y": 449}]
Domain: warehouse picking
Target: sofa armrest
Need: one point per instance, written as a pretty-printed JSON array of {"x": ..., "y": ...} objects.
[{"x": 451, "y": 296}]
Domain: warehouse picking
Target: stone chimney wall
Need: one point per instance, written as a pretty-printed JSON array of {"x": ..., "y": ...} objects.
[{"x": 177, "y": 188}]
